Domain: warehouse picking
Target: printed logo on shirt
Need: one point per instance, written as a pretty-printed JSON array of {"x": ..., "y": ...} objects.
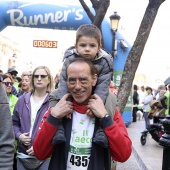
[
  {"x": 84, "y": 138},
  {"x": 80, "y": 142}
]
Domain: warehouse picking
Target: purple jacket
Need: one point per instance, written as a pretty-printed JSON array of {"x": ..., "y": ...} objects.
[{"x": 22, "y": 118}]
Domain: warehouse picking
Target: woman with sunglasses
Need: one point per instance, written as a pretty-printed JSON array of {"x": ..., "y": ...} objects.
[
  {"x": 7, "y": 84},
  {"x": 28, "y": 113}
]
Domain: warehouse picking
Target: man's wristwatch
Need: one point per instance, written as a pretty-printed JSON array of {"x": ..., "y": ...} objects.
[
  {"x": 105, "y": 120},
  {"x": 106, "y": 115}
]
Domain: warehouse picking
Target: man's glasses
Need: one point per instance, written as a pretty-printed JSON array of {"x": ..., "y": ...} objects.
[
  {"x": 8, "y": 83},
  {"x": 41, "y": 76}
]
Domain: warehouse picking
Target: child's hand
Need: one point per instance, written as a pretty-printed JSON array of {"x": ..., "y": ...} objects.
[
  {"x": 68, "y": 116},
  {"x": 89, "y": 113}
]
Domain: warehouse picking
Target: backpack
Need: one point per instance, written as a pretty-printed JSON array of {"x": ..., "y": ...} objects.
[{"x": 157, "y": 110}]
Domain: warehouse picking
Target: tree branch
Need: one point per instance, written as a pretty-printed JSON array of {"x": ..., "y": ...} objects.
[
  {"x": 86, "y": 8},
  {"x": 136, "y": 53},
  {"x": 101, "y": 11}
]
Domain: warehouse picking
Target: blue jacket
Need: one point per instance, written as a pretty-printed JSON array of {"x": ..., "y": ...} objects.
[{"x": 22, "y": 119}]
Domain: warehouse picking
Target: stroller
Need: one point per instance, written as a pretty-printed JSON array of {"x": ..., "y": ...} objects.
[{"x": 156, "y": 129}]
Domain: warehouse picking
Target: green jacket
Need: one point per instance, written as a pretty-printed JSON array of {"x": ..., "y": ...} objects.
[{"x": 12, "y": 101}]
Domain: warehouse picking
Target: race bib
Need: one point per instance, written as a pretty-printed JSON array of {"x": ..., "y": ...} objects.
[{"x": 80, "y": 142}]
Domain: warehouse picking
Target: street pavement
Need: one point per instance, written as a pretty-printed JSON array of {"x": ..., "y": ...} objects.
[{"x": 143, "y": 157}]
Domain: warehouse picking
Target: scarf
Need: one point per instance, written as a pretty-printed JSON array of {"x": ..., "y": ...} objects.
[{"x": 79, "y": 108}]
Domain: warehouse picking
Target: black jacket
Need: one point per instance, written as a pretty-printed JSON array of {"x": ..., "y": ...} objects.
[{"x": 100, "y": 157}]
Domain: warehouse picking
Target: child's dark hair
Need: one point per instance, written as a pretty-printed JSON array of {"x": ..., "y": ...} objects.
[{"x": 89, "y": 30}]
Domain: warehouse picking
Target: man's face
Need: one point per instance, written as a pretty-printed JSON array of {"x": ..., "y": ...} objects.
[
  {"x": 80, "y": 82},
  {"x": 13, "y": 74},
  {"x": 25, "y": 73},
  {"x": 142, "y": 88}
]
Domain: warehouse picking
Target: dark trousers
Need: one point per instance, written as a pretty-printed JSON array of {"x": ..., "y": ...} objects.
[
  {"x": 135, "y": 109},
  {"x": 15, "y": 162}
]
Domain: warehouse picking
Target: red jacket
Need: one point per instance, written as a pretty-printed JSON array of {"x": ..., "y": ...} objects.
[{"x": 120, "y": 145}]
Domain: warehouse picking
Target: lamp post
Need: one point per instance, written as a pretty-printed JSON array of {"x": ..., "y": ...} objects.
[
  {"x": 114, "y": 22},
  {"x": 165, "y": 142}
]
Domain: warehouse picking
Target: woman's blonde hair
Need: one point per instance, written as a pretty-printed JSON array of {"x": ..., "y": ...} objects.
[{"x": 50, "y": 86}]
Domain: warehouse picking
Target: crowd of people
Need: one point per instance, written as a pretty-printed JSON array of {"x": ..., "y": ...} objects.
[
  {"x": 144, "y": 100},
  {"x": 76, "y": 125},
  {"x": 71, "y": 121}
]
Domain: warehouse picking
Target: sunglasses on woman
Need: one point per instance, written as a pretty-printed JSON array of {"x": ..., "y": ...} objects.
[
  {"x": 41, "y": 76},
  {"x": 8, "y": 83}
]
